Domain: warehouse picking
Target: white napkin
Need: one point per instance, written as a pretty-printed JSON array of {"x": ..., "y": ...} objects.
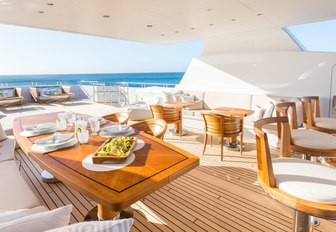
[
  {"x": 37, "y": 127},
  {"x": 55, "y": 139}
]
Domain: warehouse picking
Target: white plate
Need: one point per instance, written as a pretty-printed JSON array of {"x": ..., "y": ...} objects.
[
  {"x": 65, "y": 137},
  {"x": 117, "y": 129},
  {"x": 105, "y": 134},
  {"x": 30, "y": 133},
  {"x": 45, "y": 149},
  {"x": 40, "y": 127},
  {"x": 89, "y": 165}
]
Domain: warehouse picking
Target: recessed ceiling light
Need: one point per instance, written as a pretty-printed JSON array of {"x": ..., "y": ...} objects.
[
  {"x": 41, "y": 12},
  {"x": 50, "y": 4},
  {"x": 192, "y": 28},
  {"x": 233, "y": 20},
  {"x": 211, "y": 24},
  {"x": 176, "y": 31},
  {"x": 149, "y": 25},
  {"x": 162, "y": 34},
  {"x": 260, "y": 14},
  {"x": 209, "y": 9},
  {"x": 106, "y": 16}
]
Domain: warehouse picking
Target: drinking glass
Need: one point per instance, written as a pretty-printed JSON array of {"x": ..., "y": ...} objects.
[
  {"x": 94, "y": 124},
  {"x": 61, "y": 121},
  {"x": 81, "y": 124},
  {"x": 71, "y": 116},
  {"x": 83, "y": 136}
]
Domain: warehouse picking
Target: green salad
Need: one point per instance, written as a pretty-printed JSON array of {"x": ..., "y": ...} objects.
[{"x": 118, "y": 146}]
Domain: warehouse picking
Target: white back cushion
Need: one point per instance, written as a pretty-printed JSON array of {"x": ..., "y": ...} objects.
[
  {"x": 123, "y": 225},
  {"x": 40, "y": 221},
  {"x": 3, "y": 135},
  {"x": 9, "y": 215},
  {"x": 268, "y": 110},
  {"x": 306, "y": 179}
]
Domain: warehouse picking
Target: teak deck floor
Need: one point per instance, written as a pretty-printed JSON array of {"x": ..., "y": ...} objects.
[{"x": 216, "y": 196}]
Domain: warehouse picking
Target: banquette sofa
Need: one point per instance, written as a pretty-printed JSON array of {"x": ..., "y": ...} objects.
[
  {"x": 10, "y": 96},
  {"x": 50, "y": 93},
  {"x": 202, "y": 101}
]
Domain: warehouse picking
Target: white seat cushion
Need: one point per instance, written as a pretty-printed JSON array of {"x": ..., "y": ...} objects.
[
  {"x": 7, "y": 148},
  {"x": 305, "y": 179},
  {"x": 325, "y": 122},
  {"x": 39, "y": 222},
  {"x": 9, "y": 215},
  {"x": 15, "y": 193},
  {"x": 313, "y": 139},
  {"x": 123, "y": 225}
]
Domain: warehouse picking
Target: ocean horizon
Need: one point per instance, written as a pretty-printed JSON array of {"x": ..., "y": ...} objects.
[{"x": 72, "y": 79}]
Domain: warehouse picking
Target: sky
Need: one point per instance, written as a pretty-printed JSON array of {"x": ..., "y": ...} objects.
[
  {"x": 318, "y": 36},
  {"x": 26, "y": 51}
]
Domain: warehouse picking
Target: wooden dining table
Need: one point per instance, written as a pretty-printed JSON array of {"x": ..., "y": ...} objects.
[
  {"x": 155, "y": 165},
  {"x": 236, "y": 112}
]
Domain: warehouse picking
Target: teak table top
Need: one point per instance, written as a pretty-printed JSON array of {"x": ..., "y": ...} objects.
[
  {"x": 238, "y": 112},
  {"x": 155, "y": 165}
]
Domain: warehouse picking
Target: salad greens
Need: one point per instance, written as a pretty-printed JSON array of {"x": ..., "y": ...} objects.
[{"x": 118, "y": 146}]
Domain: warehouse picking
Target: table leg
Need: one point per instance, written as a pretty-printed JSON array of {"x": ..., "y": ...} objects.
[{"x": 100, "y": 213}]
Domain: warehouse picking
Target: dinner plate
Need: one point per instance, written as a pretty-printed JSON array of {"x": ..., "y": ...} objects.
[
  {"x": 55, "y": 147},
  {"x": 44, "y": 141},
  {"x": 105, "y": 134},
  {"x": 40, "y": 127},
  {"x": 117, "y": 129}
]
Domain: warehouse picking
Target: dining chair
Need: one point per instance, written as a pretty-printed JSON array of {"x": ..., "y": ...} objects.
[
  {"x": 118, "y": 117},
  {"x": 305, "y": 141},
  {"x": 224, "y": 127},
  {"x": 169, "y": 115},
  {"x": 309, "y": 188},
  {"x": 155, "y": 127},
  {"x": 312, "y": 117}
]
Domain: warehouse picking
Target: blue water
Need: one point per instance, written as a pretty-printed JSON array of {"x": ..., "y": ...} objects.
[{"x": 72, "y": 79}]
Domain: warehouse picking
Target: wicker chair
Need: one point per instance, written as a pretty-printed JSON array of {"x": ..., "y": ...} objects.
[
  {"x": 312, "y": 118},
  {"x": 119, "y": 117},
  {"x": 292, "y": 182},
  {"x": 155, "y": 127},
  {"x": 169, "y": 115},
  {"x": 223, "y": 127}
]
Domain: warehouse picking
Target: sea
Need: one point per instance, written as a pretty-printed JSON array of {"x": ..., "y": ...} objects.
[{"x": 152, "y": 79}]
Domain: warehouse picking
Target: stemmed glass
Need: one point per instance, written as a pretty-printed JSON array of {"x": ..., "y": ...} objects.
[
  {"x": 95, "y": 126},
  {"x": 71, "y": 116}
]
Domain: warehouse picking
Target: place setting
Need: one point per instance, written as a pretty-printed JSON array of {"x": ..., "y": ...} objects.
[
  {"x": 38, "y": 129},
  {"x": 116, "y": 130},
  {"x": 54, "y": 142}
]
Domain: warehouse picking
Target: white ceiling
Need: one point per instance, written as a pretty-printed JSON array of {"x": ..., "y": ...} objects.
[{"x": 171, "y": 20}]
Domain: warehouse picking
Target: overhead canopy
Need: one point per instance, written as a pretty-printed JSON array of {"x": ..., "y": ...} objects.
[{"x": 164, "y": 21}]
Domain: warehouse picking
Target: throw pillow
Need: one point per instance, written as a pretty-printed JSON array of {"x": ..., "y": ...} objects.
[
  {"x": 168, "y": 97},
  {"x": 8, "y": 92},
  {"x": 9, "y": 215},
  {"x": 123, "y": 225},
  {"x": 299, "y": 113},
  {"x": 177, "y": 97},
  {"x": 39, "y": 221},
  {"x": 186, "y": 98},
  {"x": 3, "y": 135},
  {"x": 197, "y": 105},
  {"x": 258, "y": 112},
  {"x": 268, "y": 110}
]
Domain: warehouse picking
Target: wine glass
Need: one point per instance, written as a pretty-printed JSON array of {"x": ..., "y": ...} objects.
[
  {"x": 95, "y": 126},
  {"x": 71, "y": 116}
]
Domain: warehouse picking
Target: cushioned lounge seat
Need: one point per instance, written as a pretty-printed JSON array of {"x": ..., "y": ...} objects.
[
  {"x": 326, "y": 123},
  {"x": 7, "y": 147},
  {"x": 313, "y": 139},
  {"x": 305, "y": 179},
  {"x": 15, "y": 193}
]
